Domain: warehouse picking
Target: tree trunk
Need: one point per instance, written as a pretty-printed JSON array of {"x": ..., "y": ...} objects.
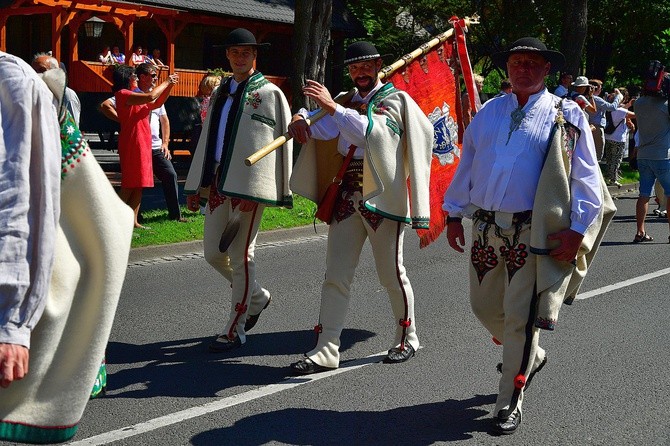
[
  {"x": 573, "y": 34},
  {"x": 310, "y": 45}
]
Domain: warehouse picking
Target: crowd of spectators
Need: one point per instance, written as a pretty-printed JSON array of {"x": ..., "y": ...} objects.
[{"x": 138, "y": 56}]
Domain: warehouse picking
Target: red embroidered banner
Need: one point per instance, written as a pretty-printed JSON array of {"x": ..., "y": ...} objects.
[{"x": 431, "y": 83}]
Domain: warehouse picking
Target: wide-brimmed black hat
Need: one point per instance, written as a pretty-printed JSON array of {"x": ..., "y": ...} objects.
[
  {"x": 360, "y": 52},
  {"x": 530, "y": 45},
  {"x": 241, "y": 37}
]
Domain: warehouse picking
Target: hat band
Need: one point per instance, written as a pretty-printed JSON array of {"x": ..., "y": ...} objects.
[
  {"x": 525, "y": 48},
  {"x": 366, "y": 57}
]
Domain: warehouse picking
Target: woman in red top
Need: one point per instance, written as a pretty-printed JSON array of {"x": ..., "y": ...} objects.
[{"x": 133, "y": 108}]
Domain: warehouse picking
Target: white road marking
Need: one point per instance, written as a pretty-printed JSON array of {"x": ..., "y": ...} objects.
[
  {"x": 290, "y": 383},
  {"x": 234, "y": 400},
  {"x": 622, "y": 284}
]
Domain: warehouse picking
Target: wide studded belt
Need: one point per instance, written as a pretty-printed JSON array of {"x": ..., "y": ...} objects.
[
  {"x": 503, "y": 219},
  {"x": 353, "y": 177}
]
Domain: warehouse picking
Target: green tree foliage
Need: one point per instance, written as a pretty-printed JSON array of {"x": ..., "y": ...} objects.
[
  {"x": 624, "y": 36},
  {"x": 609, "y": 39}
]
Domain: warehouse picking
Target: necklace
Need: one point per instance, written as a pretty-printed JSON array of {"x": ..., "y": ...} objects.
[{"x": 517, "y": 118}]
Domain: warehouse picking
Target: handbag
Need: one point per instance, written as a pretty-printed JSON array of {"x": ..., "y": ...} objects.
[
  {"x": 324, "y": 211},
  {"x": 610, "y": 127}
]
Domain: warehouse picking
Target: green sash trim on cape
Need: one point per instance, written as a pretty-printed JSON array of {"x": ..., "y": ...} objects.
[
  {"x": 286, "y": 201},
  {"x": 381, "y": 94},
  {"x": 402, "y": 219},
  {"x": 26, "y": 433}
]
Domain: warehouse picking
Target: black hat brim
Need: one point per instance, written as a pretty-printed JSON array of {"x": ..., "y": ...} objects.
[{"x": 255, "y": 45}]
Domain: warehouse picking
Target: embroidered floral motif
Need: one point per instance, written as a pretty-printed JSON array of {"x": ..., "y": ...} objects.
[
  {"x": 483, "y": 258},
  {"x": 73, "y": 146},
  {"x": 515, "y": 258},
  {"x": 379, "y": 108},
  {"x": 374, "y": 220},
  {"x": 344, "y": 207},
  {"x": 254, "y": 99},
  {"x": 570, "y": 136},
  {"x": 216, "y": 199},
  {"x": 381, "y": 95}
]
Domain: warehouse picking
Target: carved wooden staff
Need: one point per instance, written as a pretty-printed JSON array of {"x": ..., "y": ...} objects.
[{"x": 385, "y": 72}]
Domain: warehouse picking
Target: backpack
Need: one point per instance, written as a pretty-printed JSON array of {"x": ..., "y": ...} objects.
[{"x": 610, "y": 127}]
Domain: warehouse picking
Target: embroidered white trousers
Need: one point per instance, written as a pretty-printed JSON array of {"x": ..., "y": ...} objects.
[
  {"x": 237, "y": 264},
  {"x": 345, "y": 242},
  {"x": 505, "y": 305}
]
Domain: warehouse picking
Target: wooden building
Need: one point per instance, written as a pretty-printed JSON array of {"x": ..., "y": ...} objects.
[{"x": 186, "y": 32}]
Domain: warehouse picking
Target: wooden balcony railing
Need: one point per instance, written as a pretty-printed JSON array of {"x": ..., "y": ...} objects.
[{"x": 94, "y": 77}]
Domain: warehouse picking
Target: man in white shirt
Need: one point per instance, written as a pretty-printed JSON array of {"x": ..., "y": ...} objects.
[
  {"x": 389, "y": 137},
  {"x": 564, "y": 86},
  {"x": 497, "y": 184}
]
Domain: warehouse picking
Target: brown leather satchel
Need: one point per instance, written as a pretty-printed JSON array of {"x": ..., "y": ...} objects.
[{"x": 324, "y": 211}]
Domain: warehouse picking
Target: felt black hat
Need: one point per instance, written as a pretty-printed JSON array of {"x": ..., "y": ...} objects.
[
  {"x": 530, "y": 45},
  {"x": 359, "y": 52},
  {"x": 241, "y": 37}
]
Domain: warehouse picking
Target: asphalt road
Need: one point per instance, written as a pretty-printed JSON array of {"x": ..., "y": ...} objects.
[{"x": 606, "y": 381}]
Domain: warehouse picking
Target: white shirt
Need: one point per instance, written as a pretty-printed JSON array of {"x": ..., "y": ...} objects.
[
  {"x": 154, "y": 122},
  {"x": 620, "y": 133},
  {"x": 224, "y": 120},
  {"x": 560, "y": 91},
  {"x": 346, "y": 122},
  {"x": 30, "y": 151},
  {"x": 500, "y": 175}
]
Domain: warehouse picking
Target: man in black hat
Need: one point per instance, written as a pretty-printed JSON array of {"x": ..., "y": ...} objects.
[
  {"x": 389, "y": 139},
  {"x": 246, "y": 112},
  {"x": 529, "y": 179}
]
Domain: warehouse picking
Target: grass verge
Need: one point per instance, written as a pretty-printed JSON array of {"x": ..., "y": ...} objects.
[
  {"x": 164, "y": 231},
  {"x": 628, "y": 175}
]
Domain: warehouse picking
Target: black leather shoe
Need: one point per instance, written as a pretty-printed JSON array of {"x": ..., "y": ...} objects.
[
  {"x": 222, "y": 344},
  {"x": 251, "y": 320},
  {"x": 506, "y": 425},
  {"x": 307, "y": 367},
  {"x": 397, "y": 355},
  {"x": 531, "y": 375}
]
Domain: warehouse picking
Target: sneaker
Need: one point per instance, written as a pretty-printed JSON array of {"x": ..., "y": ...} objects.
[{"x": 100, "y": 384}]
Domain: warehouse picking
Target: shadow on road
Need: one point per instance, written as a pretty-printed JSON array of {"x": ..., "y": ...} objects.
[
  {"x": 184, "y": 368},
  {"x": 424, "y": 424}
]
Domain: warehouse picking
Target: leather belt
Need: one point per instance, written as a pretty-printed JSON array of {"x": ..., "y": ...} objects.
[
  {"x": 353, "y": 177},
  {"x": 503, "y": 219}
]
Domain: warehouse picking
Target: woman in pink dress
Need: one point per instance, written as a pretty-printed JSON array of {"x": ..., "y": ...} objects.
[{"x": 133, "y": 108}]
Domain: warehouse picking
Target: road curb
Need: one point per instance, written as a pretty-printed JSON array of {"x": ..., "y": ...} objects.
[
  {"x": 615, "y": 191},
  {"x": 173, "y": 250}
]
